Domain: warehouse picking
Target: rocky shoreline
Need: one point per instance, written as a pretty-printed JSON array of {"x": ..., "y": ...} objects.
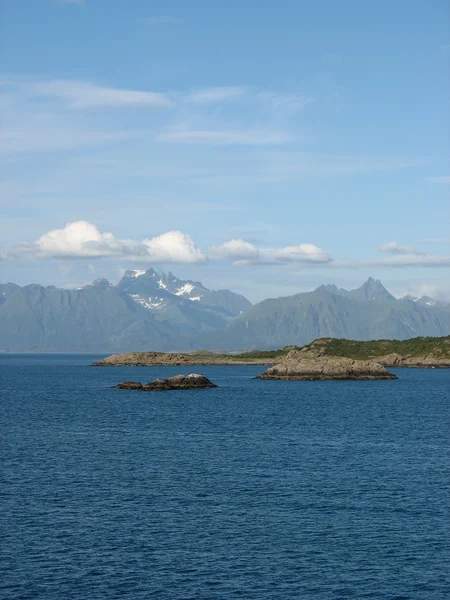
[
  {"x": 413, "y": 362},
  {"x": 420, "y": 353},
  {"x": 169, "y": 359}
]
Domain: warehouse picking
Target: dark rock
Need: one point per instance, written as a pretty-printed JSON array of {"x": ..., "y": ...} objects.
[
  {"x": 177, "y": 382},
  {"x": 130, "y": 385}
]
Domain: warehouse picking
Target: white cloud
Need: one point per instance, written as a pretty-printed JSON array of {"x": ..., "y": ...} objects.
[
  {"x": 82, "y": 239},
  {"x": 173, "y": 246},
  {"x": 309, "y": 255},
  {"x": 302, "y": 253},
  {"x": 215, "y": 94},
  {"x": 245, "y": 253},
  {"x": 395, "y": 248},
  {"x": 79, "y": 239},
  {"x": 83, "y": 95},
  {"x": 235, "y": 249},
  {"x": 224, "y": 137}
]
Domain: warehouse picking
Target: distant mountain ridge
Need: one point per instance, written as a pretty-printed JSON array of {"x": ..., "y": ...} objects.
[
  {"x": 144, "y": 309},
  {"x": 147, "y": 310},
  {"x": 369, "y": 312}
]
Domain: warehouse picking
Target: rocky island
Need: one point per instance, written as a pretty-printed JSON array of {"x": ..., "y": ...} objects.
[
  {"x": 177, "y": 382},
  {"x": 427, "y": 352},
  {"x": 299, "y": 365},
  {"x": 171, "y": 359}
]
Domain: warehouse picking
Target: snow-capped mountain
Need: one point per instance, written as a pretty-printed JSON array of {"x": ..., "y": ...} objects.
[
  {"x": 423, "y": 300},
  {"x": 153, "y": 311},
  {"x": 157, "y": 291}
]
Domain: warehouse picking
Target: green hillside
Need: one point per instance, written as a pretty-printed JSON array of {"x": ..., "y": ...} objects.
[{"x": 438, "y": 347}]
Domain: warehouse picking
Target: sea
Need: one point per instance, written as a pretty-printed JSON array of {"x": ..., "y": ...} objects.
[{"x": 255, "y": 490}]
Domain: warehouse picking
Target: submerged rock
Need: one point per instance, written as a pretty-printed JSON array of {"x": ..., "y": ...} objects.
[
  {"x": 177, "y": 382},
  {"x": 295, "y": 366}
]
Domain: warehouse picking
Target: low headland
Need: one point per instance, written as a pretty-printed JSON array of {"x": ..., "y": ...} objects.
[{"x": 425, "y": 352}]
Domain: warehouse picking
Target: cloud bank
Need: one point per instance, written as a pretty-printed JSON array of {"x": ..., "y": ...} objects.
[{"x": 84, "y": 240}]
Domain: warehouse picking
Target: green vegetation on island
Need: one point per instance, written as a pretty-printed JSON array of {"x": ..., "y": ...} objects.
[
  {"x": 438, "y": 347},
  {"x": 415, "y": 352}
]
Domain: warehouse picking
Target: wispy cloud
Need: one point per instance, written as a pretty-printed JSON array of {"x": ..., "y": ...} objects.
[
  {"x": 441, "y": 179},
  {"x": 159, "y": 20},
  {"x": 395, "y": 248},
  {"x": 4, "y": 255},
  {"x": 283, "y": 105},
  {"x": 83, "y": 95},
  {"x": 79, "y": 2},
  {"x": 225, "y": 137},
  {"x": 332, "y": 58},
  {"x": 297, "y": 165},
  {"x": 216, "y": 94},
  {"x": 35, "y": 138},
  {"x": 400, "y": 260}
]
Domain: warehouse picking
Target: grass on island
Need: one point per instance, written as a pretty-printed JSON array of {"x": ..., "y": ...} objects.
[
  {"x": 435, "y": 347},
  {"x": 252, "y": 355},
  {"x": 438, "y": 347}
]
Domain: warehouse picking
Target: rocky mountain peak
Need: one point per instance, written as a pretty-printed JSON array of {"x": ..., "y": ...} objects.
[{"x": 373, "y": 290}]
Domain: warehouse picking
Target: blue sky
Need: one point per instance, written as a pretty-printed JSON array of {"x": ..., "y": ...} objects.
[{"x": 266, "y": 147}]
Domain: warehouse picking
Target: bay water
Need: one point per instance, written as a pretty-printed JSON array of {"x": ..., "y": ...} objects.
[{"x": 256, "y": 489}]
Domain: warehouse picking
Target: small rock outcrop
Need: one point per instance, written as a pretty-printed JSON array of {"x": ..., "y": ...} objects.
[
  {"x": 296, "y": 366},
  {"x": 177, "y": 382}
]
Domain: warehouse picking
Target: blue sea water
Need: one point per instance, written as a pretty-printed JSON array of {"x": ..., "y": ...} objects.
[{"x": 257, "y": 490}]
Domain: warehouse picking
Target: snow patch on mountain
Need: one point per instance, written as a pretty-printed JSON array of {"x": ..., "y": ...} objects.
[
  {"x": 151, "y": 303},
  {"x": 184, "y": 290}
]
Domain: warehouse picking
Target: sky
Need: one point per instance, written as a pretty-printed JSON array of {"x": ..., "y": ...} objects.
[{"x": 266, "y": 147}]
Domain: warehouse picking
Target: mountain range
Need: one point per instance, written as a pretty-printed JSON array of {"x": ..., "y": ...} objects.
[{"x": 154, "y": 311}]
